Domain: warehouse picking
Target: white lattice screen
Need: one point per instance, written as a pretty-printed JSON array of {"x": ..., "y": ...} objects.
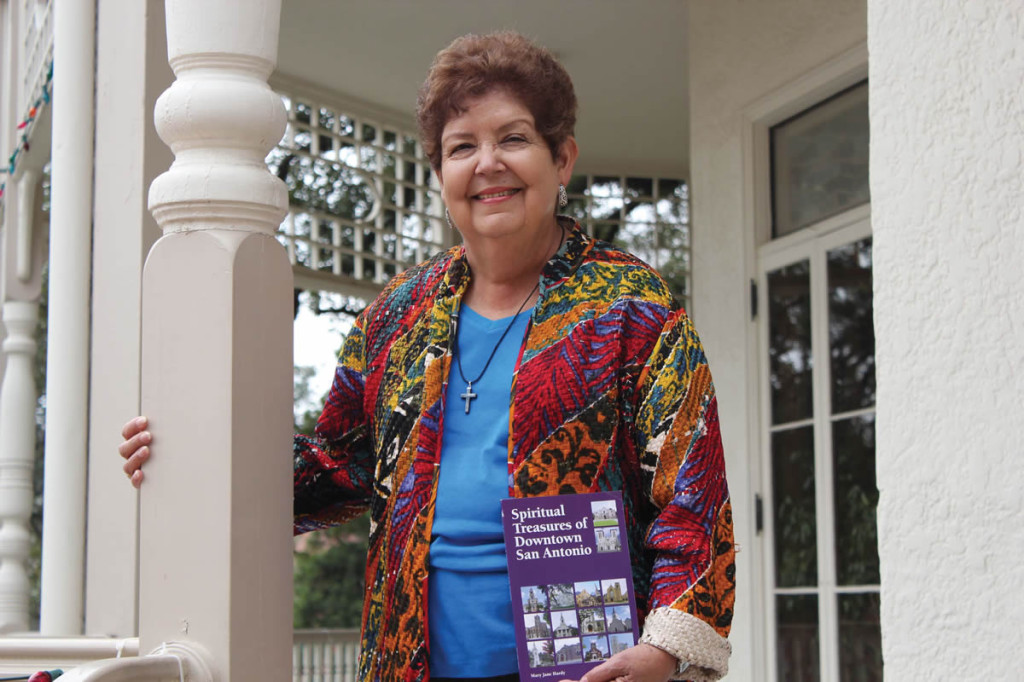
[
  {"x": 364, "y": 204},
  {"x": 36, "y": 49}
]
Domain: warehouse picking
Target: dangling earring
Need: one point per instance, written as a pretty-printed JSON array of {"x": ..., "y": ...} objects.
[
  {"x": 448, "y": 219},
  {"x": 563, "y": 197}
]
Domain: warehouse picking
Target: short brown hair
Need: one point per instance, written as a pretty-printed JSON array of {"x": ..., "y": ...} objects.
[{"x": 474, "y": 65}]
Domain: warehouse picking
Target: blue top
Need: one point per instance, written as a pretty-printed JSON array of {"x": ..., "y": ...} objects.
[{"x": 470, "y": 607}]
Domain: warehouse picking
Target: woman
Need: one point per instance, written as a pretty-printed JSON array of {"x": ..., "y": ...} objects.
[{"x": 531, "y": 360}]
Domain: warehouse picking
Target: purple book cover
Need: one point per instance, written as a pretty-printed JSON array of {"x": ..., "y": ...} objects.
[{"x": 572, "y": 587}]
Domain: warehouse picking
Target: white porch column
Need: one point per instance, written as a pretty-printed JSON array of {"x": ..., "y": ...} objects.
[
  {"x": 17, "y": 450},
  {"x": 67, "y": 359},
  {"x": 215, "y": 545},
  {"x": 131, "y": 72},
  {"x": 947, "y": 190}
]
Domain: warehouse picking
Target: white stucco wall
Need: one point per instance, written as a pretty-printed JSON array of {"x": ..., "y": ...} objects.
[
  {"x": 947, "y": 146},
  {"x": 739, "y": 53}
]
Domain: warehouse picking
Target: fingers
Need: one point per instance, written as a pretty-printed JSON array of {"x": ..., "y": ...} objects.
[
  {"x": 135, "y": 448},
  {"x": 608, "y": 671},
  {"x": 134, "y": 463},
  {"x": 130, "y": 447},
  {"x": 133, "y": 427},
  {"x": 641, "y": 663}
]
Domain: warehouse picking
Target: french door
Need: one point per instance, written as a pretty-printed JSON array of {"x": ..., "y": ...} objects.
[{"x": 818, "y": 453}]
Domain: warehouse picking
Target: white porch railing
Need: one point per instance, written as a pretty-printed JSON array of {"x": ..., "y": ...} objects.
[
  {"x": 19, "y": 655},
  {"x": 317, "y": 655},
  {"x": 325, "y": 655}
]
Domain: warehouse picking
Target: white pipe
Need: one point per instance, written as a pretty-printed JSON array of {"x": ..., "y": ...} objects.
[
  {"x": 43, "y": 649},
  {"x": 67, "y": 359},
  {"x": 174, "y": 662}
]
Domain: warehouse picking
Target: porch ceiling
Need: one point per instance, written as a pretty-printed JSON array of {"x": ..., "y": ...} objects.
[{"x": 627, "y": 60}]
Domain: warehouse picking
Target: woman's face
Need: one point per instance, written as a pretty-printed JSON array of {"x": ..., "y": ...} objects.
[{"x": 498, "y": 177}]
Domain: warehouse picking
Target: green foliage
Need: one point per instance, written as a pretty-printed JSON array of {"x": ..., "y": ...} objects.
[
  {"x": 306, "y": 411},
  {"x": 328, "y": 564},
  {"x": 329, "y": 582},
  {"x": 36, "y": 520}
]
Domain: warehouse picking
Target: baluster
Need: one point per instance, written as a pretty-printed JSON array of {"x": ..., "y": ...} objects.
[{"x": 17, "y": 451}]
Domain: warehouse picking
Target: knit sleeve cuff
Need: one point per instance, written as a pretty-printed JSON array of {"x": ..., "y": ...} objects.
[{"x": 703, "y": 654}]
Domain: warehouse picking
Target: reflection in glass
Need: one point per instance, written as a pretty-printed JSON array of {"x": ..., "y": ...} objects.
[
  {"x": 796, "y": 546},
  {"x": 789, "y": 342},
  {"x": 860, "y": 638},
  {"x": 820, "y": 161},
  {"x": 856, "y": 499},
  {"x": 850, "y": 327},
  {"x": 796, "y": 617}
]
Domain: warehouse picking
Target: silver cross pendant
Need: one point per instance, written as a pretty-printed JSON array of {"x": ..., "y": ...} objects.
[{"x": 468, "y": 395}]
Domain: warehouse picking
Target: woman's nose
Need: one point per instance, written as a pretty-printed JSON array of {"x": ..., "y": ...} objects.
[{"x": 489, "y": 159}]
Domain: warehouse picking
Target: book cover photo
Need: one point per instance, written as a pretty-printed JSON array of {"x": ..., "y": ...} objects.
[{"x": 572, "y": 587}]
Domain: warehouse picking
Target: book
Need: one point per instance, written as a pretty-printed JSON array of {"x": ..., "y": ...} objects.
[{"x": 573, "y": 603}]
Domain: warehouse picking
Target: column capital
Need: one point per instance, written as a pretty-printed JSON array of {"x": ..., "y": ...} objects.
[{"x": 220, "y": 118}]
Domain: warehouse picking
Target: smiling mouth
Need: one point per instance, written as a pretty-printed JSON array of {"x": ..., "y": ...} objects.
[{"x": 497, "y": 195}]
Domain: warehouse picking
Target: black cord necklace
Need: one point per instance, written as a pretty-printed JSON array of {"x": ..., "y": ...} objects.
[{"x": 469, "y": 395}]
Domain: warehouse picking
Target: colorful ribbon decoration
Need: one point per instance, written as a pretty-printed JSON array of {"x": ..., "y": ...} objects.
[{"x": 26, "y": 126}]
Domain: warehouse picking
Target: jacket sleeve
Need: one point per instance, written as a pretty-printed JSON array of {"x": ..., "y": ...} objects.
[
  {"x": 691, "y": 538},
  {"x": 333, "y": 470}
]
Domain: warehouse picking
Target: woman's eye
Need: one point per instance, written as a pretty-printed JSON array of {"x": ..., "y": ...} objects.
[
  {"x": 460, "y": 149},
  {"x": 514, "y": 139}
]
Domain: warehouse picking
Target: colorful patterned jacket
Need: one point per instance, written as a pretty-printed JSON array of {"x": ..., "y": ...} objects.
[{"x": 612, "y": 392}]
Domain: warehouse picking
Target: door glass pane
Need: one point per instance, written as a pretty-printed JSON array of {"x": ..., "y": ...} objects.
[
  {"x": 856, "y": 499},
  {"x": 850, "y": 328},
  {"x": 860, "y": 638},
  {"x": 797, "y": 621},
  {"x": 796, "y": 553},
  {"x": 820, "y": 161},
  {"x": 789, "y": 342}
]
